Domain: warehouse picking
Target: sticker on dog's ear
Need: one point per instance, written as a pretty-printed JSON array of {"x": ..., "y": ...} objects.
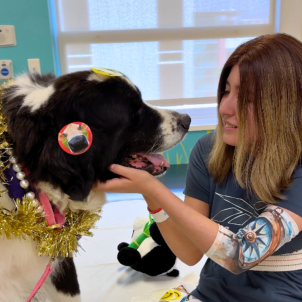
[
  {"x": 107, "y": 72},
  {"x": 75, "y": 138}
]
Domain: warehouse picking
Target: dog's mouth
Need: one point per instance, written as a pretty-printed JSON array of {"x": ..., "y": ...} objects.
[{"x": 155, "y": 164}]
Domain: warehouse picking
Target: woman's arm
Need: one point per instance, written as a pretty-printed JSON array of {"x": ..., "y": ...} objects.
[
  {"x": 224, "y": 246},
  {"x": 196, "y": 226},
  {"x": 176, "y": 239},
  {"x": 235, "y": 252}
]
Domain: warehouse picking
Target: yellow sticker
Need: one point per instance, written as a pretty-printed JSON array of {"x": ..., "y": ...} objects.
[
  {"x": 107, "y": 72},
  {"x": 171, "y": 295}
]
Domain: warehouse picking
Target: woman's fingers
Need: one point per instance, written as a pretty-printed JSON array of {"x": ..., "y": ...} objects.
[
  {"x": 130, "y": 173},
  {"x": 131, "y": 181},
  {"x": 121, "y": 170},
  {"x": 111, "y": 185}
]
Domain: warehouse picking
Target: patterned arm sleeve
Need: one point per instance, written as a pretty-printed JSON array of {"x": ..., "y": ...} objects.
[{"x": 253, "y": 243}]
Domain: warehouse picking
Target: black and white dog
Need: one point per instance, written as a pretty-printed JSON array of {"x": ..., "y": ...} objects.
[{"x": 125, "y": 131}]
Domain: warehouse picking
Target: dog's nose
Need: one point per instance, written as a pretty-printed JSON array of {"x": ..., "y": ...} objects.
[{"x": 184, "y": 121}]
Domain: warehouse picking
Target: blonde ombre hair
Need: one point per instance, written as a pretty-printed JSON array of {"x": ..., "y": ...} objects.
[{"x": 270, "y": 68}]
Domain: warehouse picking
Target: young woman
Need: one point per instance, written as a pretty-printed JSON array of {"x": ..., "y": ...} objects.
[{"x": 243, "y": 204}]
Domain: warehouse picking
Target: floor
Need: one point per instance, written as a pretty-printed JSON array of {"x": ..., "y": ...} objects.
[{"x": 174, "y": 179}]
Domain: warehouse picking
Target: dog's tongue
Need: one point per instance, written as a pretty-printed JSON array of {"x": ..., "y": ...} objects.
[{"x": 156, "y": 159}]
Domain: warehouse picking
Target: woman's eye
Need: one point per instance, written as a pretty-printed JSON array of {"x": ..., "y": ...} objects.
[{"x": 225, "y": 93}]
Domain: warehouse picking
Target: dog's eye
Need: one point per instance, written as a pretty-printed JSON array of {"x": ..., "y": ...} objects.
[{"x": 136, "y": 117}]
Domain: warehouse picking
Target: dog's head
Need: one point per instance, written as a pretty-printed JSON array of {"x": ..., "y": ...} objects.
[{"x": 125, "y": 130}]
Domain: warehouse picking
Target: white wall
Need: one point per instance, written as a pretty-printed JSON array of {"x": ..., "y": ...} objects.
[{"x": 291, "y": 18}]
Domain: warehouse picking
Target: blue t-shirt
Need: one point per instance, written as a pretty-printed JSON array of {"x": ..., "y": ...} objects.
[{"x": 232, "y": 207}]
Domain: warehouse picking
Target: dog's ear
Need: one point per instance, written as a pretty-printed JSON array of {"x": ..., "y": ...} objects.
[
  {"x": 35, "y": 141},
  {"x": 41, "y": 153},
  {"x": 73, "y": 173}
]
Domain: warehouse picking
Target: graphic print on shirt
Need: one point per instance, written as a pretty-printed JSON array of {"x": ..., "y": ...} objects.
[{"x": 237, "y": 211}]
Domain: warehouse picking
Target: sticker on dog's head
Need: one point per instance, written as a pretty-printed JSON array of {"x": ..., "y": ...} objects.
[
  {"x": 75, "y": 138},
  {"x": 107, "y": 72}
]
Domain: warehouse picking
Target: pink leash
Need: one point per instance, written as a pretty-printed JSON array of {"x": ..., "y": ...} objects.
[
  {"x": 46, "y": 273},
  {"x": 53, "y": 219}
]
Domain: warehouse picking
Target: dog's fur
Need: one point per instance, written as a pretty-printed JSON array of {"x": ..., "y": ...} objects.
[{"x": 37, "y": 108}]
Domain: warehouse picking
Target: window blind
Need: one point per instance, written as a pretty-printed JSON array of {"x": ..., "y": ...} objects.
[{"x": 173, "y": 50}]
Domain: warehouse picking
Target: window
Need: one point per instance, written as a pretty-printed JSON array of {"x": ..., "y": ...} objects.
[{"x": 173, "y": 50}]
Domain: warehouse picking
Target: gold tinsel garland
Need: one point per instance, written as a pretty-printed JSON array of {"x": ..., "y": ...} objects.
[{"x": 27, "y": 222}]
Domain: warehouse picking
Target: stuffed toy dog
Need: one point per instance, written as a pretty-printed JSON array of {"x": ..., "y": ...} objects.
[{"x": 148, "y": 252}]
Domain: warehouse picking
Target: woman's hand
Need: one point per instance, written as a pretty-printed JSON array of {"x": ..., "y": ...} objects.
[{"x": 132, "y": 181}]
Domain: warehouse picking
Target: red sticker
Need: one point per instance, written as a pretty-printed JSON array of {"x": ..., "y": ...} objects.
[{"x": 75, "y": 138}]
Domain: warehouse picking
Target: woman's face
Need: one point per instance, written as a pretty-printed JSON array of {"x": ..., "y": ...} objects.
[{"x": 228, "y": 107}]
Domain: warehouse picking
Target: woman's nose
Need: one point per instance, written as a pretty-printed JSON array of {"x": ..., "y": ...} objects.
[{"x": 228, "y": 105}]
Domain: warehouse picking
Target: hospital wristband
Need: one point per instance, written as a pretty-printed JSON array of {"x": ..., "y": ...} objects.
[
  {"x": 154, "y": 211},
  {"x": 160, "y": 216}
]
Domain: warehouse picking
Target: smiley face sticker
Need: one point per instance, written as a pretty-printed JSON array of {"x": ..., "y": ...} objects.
[
  {"x": 173, "y": 295},
  {"x": 107, "y": 72},
  {"x": 75, "y": 138}
]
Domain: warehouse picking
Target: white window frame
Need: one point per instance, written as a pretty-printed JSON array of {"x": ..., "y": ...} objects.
[{"x": 163, "y": 34}]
